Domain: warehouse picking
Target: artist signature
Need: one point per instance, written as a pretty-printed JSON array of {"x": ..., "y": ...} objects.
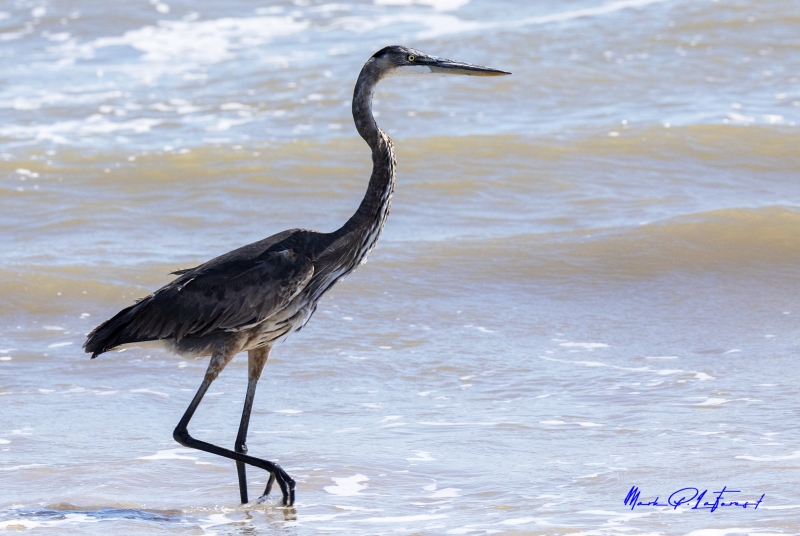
[{"x": 692, "y": 495}]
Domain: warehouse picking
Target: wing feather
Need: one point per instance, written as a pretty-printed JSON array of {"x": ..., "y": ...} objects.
[{"x": 236, "y": 290}]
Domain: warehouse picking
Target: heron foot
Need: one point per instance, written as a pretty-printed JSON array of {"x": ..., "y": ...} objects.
[
  {"x": 267, "y": 489},
  {"x": 289, "y": 485},
  {"x": 285, "y": 482}
]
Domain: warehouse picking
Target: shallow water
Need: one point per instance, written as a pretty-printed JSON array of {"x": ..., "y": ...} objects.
[{"x": 587, "y": 282}]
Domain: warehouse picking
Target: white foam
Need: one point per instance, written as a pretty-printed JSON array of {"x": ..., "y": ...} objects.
[
  {"x": 585, "y": 424},
  {"x": 441, "y": 24},
  {"x": 404, "y": 519},
  {"x": 214, "y": 520},
  {"x": 445, "y": 493},
  {"x": 150, "y": 392},
  {"x": 720, "y": 532},
  {"x": 481, "y": 329},
  {"x": 174, "y": 454},
  {"x": 348, "y": 486},
  {"x": 394, "y": 425},
  {"x": 430, "y": 423},
  {"x": 65, "y": 132},
  {"x": 235, "y": 106},
  {"x": 289, "y": 411},
  {"x": 422, "y": 456},
  {"x": 4, "y": 441},
  {"x": 661, "y": 372},
  {"x": 204, "y": 42},
  {"x": 455, "y": 25},
  {"x": 438, "y": 5},
  {"x": 59, "y": 344},
  {"x": 739, "y": 118},
  {"x": 171, "y": 454},
  {"x": 45, "y": 97},
  {"x": 586, "y": 345},
  {"x": 18, "y": 467},
  {"x": 793, "y": 456},
  {"x": 68, "y": 519},
  {"x": 317, "y": 517},
  {"x": 519, "y": 521},
  {"x": 224, "y": 124},
  {"x": 711, "y": 401}
]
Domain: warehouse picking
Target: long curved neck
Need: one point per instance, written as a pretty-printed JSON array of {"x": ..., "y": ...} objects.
[{"x": 367, "y": 222}]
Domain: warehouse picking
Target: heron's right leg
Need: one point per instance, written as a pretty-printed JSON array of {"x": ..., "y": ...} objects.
[
  {"x": 256, "y": 359},
  {"x": 181, "y": 435}
]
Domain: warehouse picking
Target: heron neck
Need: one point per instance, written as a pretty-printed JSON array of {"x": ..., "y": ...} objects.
[{"x": 368, "y": 220}]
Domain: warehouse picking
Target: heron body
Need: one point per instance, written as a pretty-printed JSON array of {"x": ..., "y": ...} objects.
[{"x": 254, "y": 296}]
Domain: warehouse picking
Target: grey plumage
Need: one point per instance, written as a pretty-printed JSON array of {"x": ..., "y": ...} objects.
[
  {"x": 239, "y": 289},
  {"x": 254, "y": 296}
]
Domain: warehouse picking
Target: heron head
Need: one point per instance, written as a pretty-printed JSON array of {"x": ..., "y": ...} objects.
[{"x": 403, "y": 60}]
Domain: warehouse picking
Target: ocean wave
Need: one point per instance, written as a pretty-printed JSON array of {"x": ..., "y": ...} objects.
[
  {"x": 736, "y": 242},
  {"x": 728, "y": 241},
  {"x": 207, "y": 41}
]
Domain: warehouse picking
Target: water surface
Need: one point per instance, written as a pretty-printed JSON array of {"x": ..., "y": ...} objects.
[{"x": 588, "y": 280}]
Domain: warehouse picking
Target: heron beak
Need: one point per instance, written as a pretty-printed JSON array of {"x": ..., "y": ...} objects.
[{"x": 456, "y": 67}]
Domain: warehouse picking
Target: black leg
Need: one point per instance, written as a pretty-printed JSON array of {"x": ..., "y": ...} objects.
[
  {"x": 270, "y": 482},
  {"x": 181, "y": 435},
  {"x": 241, "y": 438}
]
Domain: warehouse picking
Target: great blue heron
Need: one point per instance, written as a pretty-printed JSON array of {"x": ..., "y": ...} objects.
[{"x": 254, "y": 296}]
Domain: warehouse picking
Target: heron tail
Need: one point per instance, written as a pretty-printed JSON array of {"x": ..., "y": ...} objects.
[{"x": 113, "y": 332}]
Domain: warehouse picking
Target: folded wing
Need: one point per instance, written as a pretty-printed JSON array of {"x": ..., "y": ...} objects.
[{"x": 232, "y": 292}]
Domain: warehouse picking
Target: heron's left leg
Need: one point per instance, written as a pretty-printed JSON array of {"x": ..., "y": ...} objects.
[
  {"x": 182, "y": 436},
  {"x": 256, "y": 359}
]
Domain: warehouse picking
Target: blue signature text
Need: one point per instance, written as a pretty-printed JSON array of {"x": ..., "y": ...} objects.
[{"x": 694, "y": 497}]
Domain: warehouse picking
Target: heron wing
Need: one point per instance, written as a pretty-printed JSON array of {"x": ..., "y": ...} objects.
[
  {"x": 234, "y": 291},
  {"x": 227, "y": 295}
]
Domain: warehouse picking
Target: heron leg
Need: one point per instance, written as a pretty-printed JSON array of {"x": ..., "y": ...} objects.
[
  {"x": 241, "y": 439},
  {"x": 256, "y": 360},
  {"x": 181, "y": 435}
]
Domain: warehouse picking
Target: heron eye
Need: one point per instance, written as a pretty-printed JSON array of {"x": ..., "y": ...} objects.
[{"x": 412, "y": 57}]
